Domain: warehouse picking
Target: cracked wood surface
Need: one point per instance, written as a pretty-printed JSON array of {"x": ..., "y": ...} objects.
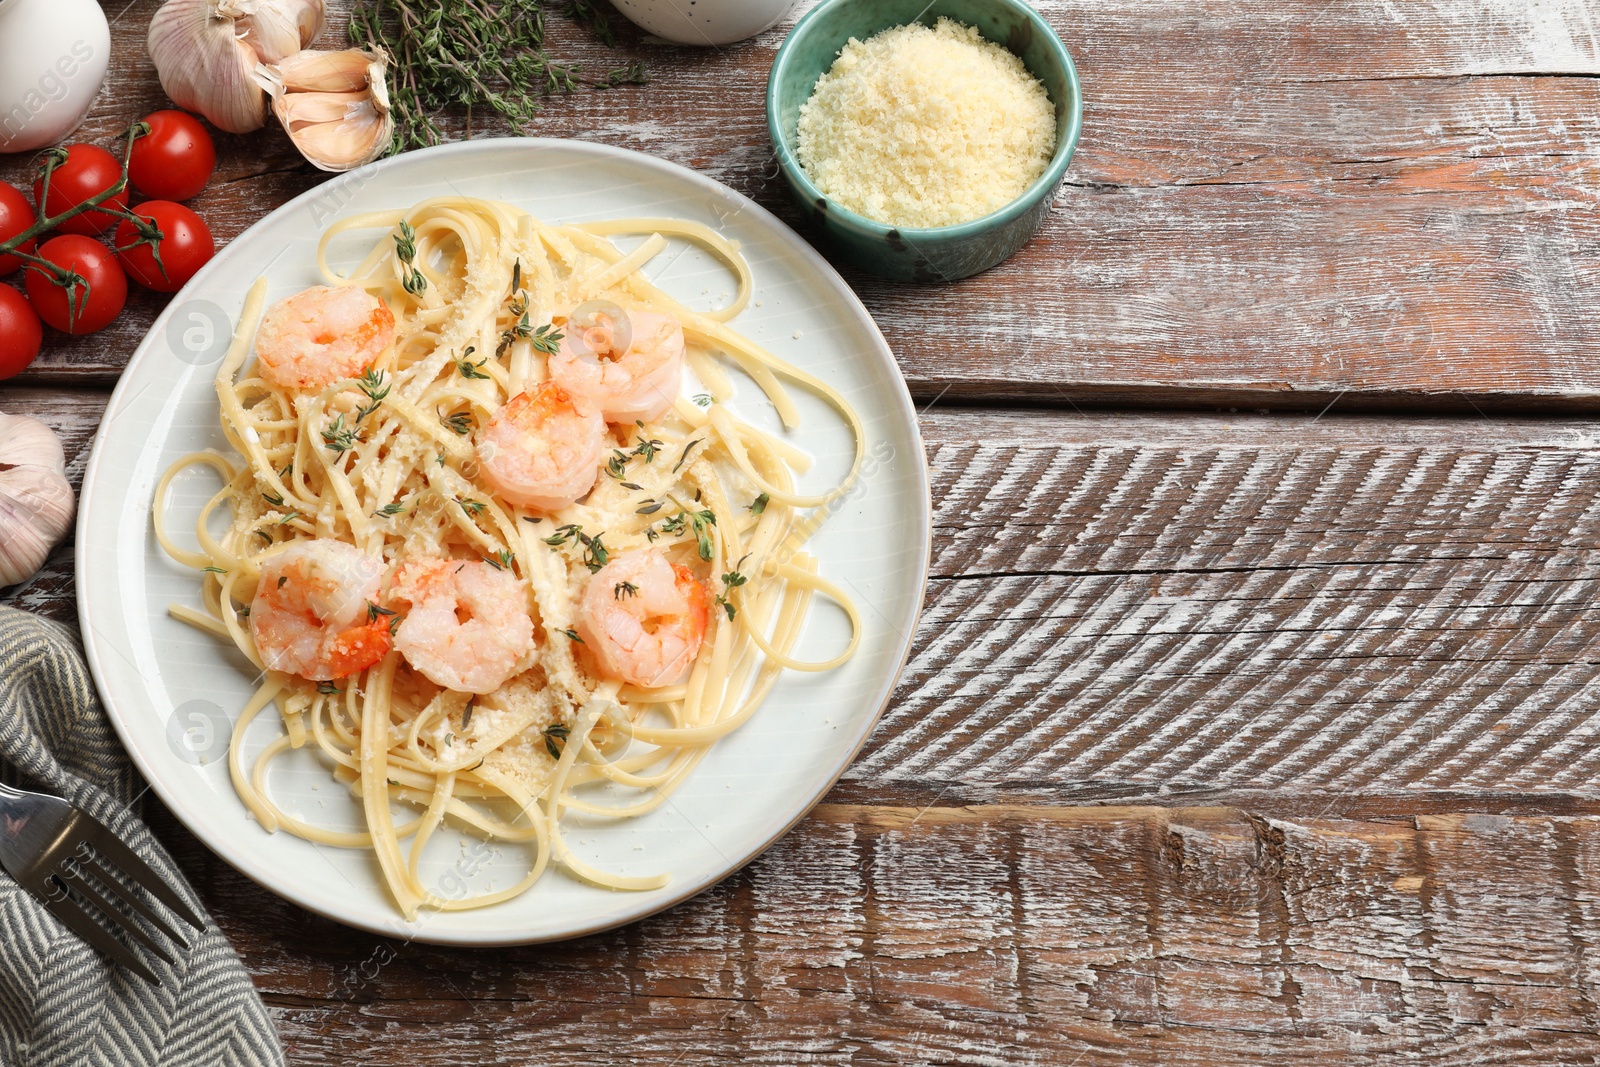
[
  {"x": 1284, "y": 204},
  {"x": 1004, "y": 934}
]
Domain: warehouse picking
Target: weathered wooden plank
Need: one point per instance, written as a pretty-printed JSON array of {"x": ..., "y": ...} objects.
[
  {"x": 1127, "y": 604},
  {"x": 1266, "y": 601},
  {"x": 1007, "y": 935},
  {"x": 1274, "y": 204}
]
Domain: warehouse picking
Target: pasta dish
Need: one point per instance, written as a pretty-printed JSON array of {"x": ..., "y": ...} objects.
[{"x": 486, "y": 544}]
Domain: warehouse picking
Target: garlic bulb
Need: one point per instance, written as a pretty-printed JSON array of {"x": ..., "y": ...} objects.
[
  {"x": 36, "y": 502},
  {"x": 277, "y": 28},
  {"x": 335, "y": 105},
  {"x": 206, "y": 53}
]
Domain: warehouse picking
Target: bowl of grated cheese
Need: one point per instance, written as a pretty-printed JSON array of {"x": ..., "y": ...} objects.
[{"x": 923, "y": 141}]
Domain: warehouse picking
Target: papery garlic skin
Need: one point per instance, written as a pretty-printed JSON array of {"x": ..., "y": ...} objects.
[
  {"x": 207, "y": 52},
  {"x": 276, "y": 28},
  {"x": 334, "y": 105},
  {"x": 36, "y": 501}
]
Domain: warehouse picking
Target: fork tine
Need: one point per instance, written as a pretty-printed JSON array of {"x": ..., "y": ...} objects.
[
  {"x": 113, "y": 883},
  {"x": 75, "y": 918},
  {"x": 120, "y": 921},
  {"x": 120, "y": 855}
]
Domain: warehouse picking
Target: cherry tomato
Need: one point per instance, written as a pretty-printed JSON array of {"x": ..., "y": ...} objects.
[
  {"x": 20, "y": 332},
  {"x": 175, "y": 159},
  {"x": 97, "y": 304},
  {"x": 88, "y": 171},
  {"x": 16, "y": 215},
  {"x": 185, "y": 246}
]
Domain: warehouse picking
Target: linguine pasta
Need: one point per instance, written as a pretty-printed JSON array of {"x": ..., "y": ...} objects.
[{"x": 385, "y": 462}]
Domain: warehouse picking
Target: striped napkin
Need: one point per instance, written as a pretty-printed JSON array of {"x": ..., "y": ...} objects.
[{"x": 62, "y": 1004}]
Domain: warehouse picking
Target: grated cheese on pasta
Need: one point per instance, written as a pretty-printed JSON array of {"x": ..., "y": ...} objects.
[{"x": 921, "y": 126}]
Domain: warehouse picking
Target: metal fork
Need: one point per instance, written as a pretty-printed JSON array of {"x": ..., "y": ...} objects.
[{"x": 61, "y": 855}]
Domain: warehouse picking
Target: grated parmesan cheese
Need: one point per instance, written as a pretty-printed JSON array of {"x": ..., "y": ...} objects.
[{"x": 921, "y": 126}]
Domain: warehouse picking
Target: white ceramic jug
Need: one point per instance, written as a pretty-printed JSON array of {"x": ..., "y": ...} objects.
[
  {"x": 704, "y": 22},
  {"x": 53, "y": 57}
]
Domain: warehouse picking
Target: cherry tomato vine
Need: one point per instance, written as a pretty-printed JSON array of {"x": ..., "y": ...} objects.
[{"x": 145, "y": 230}]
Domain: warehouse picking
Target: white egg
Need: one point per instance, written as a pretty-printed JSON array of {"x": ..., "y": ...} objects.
[
  {"x": 704, "y": 22},
  {"x": 53, "y": 57}
]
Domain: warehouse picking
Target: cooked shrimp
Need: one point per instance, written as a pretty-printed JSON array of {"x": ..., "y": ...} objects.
[
  {"x": 629, "y": 374},
  {"x": 542, "y": 449},
  {"x": 643, "y": 619},
  {"x": 310, "y": 614},
  {"x": 468, "y": 627},
  {"x": 314, "y": 338}
]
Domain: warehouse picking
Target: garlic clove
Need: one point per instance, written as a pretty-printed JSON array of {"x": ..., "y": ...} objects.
[
  {"x": 334, "y": 105},
  {"x": 326, "y": 72},
  {"x": 275, "y": 28},
  {"x": 305, "y": 109},
  {"x": 36, "y": 501},
  {"x": 205, "y": 67}
]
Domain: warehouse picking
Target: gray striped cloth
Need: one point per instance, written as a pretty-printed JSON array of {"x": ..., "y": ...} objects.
[{"x": 62, "y": 1004}]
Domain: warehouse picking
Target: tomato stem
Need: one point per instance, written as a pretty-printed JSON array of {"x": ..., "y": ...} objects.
[{"x": 44, "y": 223}]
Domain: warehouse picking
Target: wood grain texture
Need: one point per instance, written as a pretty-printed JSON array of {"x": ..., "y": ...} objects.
[
  {"x": 1275, "y": 204},
  {"x": 1333, "y": 604},
  {"x": 1125, "y": 605},
  {"x": 996, "y": 934}
]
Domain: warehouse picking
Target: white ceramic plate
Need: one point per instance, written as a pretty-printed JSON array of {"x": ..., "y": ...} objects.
[{"x": 172, "y": 692}]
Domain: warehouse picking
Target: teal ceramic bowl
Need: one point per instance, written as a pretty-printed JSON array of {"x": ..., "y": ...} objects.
[{"x": 942, "y": 253}]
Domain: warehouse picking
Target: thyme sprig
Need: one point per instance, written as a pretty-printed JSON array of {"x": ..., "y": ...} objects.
[
  {"x": 405, "y": 249},
  {"x": 466, "y": 53}
]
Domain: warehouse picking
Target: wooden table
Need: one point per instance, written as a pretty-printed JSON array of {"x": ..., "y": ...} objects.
[{"x": 1257, "y": 729}]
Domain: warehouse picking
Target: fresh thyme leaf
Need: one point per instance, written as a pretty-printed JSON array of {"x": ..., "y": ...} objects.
[
  {"x": 328, "y": 689},
  {"x": 622, "y": 590},
  {"x": 684, "y": 458},
  {"x": 702, "y": 400},
  {"x": 733, "y": 579},
  {"x": 405, "y": 248},
  {"x": 675, "y": 525},
  {"x": 466, "y": 716},
  {"x": 516, "y": 277},
  {"x": 372, "y": 384},
  {"x": 373, "y": 611},
  {"x": 647, "y": 448},
  {"x": 244, "y": 612},
  {"x": 339, "y": 439},
  {"x": 390, "y": 510},
  {"x": 759, "y": 504},
  {"x": 650, "y": 507},
  {"x": 281, "y": 579},
  {"x": 635, "y": 486},
  {"x": 564, "y": 534},
  {"x": 572, "y": 634},
  {"x": 265, "y": 535},
  {"x": 703, "y": 521},
  {"x": 461, "y": 423},
  {"x": 214, "y": 570},
  {"x": 547, "y": 339},
  {"x": 466, "y": 53},
  {"x": 470, "y": 369},
  {"x": 594, "y": 552},
  {"x": 273, "y": 498},
  {"x": 471, "y": 507},
  {"x": 287, "y": 519},
  {"x": 501, "y": 560},
  {"x": 727, "y": 606},
  {"x": 617, "y": 465}
]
